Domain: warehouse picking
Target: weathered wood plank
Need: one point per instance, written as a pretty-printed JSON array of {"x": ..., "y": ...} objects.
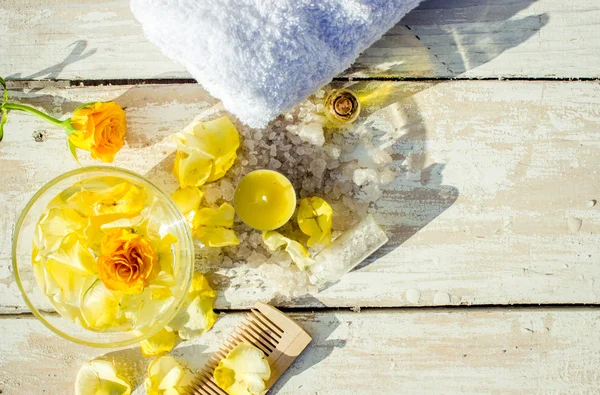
[
  {"x": 93, "y": 39},
  {"x": 498, "y": 169},
  {"x": 522, "y": 351}
]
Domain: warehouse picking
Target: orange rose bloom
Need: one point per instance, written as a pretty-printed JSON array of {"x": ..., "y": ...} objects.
[
  {"x": 100, "y": 129},
  {"x": 127, "y": 262}
]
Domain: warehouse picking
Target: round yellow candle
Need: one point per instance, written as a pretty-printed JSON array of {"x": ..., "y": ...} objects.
[{"x": 265, "y": 199}]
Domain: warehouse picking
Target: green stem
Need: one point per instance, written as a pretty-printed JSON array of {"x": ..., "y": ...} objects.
[{"x": 31, "y": 110}]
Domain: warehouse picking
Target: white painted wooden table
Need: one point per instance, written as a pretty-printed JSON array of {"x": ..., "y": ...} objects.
[{"x": 484, "y": 287}]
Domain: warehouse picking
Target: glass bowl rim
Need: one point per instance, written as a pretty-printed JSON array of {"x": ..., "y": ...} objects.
[{"x": 15, "y": 265}]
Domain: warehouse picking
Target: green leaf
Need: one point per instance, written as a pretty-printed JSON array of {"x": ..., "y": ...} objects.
[
  {"x": 73, "y": 150},
  {"x": 3, "y": 83},
  {"x": 2, "y": 122}
]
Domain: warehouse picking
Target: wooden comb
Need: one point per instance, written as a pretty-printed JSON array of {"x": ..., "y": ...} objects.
[{"x": 266, "y": 328}]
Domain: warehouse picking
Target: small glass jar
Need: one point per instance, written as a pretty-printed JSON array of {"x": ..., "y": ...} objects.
[{"x": 342, "y": 107}]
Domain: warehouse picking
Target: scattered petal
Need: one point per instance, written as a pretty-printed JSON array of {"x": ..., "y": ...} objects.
[
  {"x": 244, "y": 371},
  {"x": 187, "y": 199},
  {"x": 165, "y": 376},
  {"x": 163, "y": 341},
  {"x": 274, "y": 240},
  {"x": 205, "y": 151},
  {"x": 214, "y": 227},
  {"x": 314, "y": 219},
  {"x": 98, "y": 377},
  {"x": 196, "y": 317}
]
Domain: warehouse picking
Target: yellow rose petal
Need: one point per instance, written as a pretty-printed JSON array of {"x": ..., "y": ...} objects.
[
  {"x": 196, "y": 317},
  {"x": 187, "y": 199},
  {"x": 192, "y": 167},
  {"x": 315, "y": 218},
  {"x": 99, "y": 377},
  {"x": 105, "y": 205},
  {"x": 214, "y": 227},
  {"x": 57, "y": 223},
  {"x": 99, "y": 307},
  {"x": 274, "y": 240},
  {"x": 160, "y": 343},
  {"x": 244, "y": 371},
  {"x": 74, "y": 255},
  {"x": 165, "y": 376},
  {"x": 205, "y": 151}
]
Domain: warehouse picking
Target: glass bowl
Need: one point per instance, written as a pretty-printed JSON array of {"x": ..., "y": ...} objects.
[{"x": 172, "y": 221}]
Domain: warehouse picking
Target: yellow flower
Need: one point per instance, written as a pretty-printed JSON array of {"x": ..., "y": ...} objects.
[
  {"x": 244, "y": 371},
  {"x": 274, "y": 240},
  {"x": 165, "y": 377},
  {"x": 196, "y": 317},
  {"x": 214, "y": 227},
  {"x": 205, "y": 151},
  {"x": 163, "y": 341},
  {"x": 127, "y": 262},
  {"x": 100, "y": 129},
  {"x": 314, "y": 219},
  {"x": 98, "y": 377}
]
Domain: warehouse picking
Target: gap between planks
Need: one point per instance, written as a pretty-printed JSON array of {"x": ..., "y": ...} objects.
[
  {"x": 396, "y": 310},
  {"x": 60, "y": 83}
]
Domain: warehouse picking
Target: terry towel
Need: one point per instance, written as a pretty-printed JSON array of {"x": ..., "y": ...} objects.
[{"x": 262, "y": 57}]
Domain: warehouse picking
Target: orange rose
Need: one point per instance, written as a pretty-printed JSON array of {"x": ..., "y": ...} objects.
[
  {"x": 100, "y": 129},
  {"x": 127, "y": 262}
]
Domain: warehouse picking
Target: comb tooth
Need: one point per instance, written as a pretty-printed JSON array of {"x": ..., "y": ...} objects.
[
  {"x": 248, "y": 339},
  {"x": 259, "y": 334},
  {"x": 199, "y": 385},
  {"x": 260, "y": 327},
  {"x": 264, "y": 331},
  {"x": 214, "y": 387},
  {"x": 257, "y": 339},
  {"x": 265, "y": 320}
]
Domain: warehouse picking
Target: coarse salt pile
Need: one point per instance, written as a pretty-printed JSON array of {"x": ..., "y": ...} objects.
[{"x": 319, "y": 161}]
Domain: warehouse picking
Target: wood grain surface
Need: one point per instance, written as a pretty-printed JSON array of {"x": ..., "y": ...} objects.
[
  {"x": 96, "y": 39},
  {"x": 414, "y": 351},
  {"x": 500, "y": 169}
]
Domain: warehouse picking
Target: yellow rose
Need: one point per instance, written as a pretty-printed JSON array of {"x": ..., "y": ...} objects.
[
  {"x": 100, "y": 129},
  {"x": 127, "y": 262}
]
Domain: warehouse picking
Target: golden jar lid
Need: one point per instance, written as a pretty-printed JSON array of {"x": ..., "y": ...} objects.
[{"x": 342, "y": 107}]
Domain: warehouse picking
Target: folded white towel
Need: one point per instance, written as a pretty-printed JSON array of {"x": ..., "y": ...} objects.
[{"x": 262, "y": 57}]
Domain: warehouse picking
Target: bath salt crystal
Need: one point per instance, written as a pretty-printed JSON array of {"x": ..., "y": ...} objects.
[
  {"x": 227, "y": 261},
  {"x": 380, "y": 157},
  {"x": 292, "y": 128},
  {"x": 320, "y": 107},
  {"x": 273, "y": 150},
  {"x": 312, "y": 133},
  {"x": 277, "y": 124},
  {"x": 386, "y": 176},
  {"x": 256, "y": 259},
  {"x": 346, "y": 252},
  {"x": 249, "y": 144},
  {"x": 212, "y": 193},
  {"x": 372, "y": 192},
  {"x": 274, "y": 164},
  {"x": 321, "y": 120},
  {"x": 317, "y": 167},
  {"x": 320, "y": 94},
  {"x": 362, "y": 176},
  {"x": 227, "y": 190},
  {"x": 333, "y": 151}
]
